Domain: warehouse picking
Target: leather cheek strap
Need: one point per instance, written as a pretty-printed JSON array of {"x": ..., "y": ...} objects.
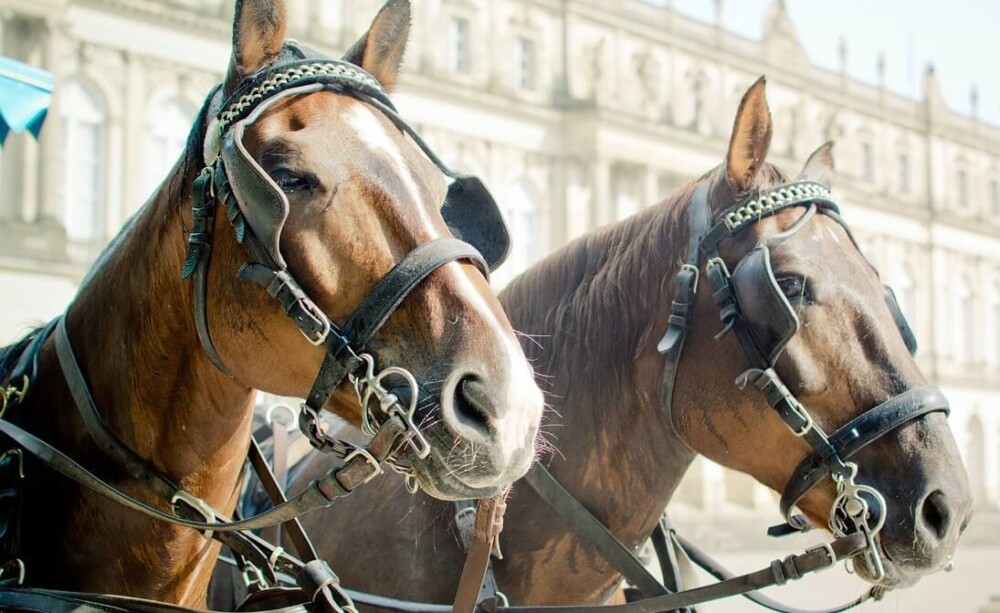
[{"x": 858, "y": 433}]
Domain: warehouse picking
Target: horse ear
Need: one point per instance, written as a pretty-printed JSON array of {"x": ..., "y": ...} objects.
[
  {"x": 380, "y": 50},
  {"x": 819, "y": 167},
  {"x": 750, "y": 140},
  {"x": 258, "y": 36}
]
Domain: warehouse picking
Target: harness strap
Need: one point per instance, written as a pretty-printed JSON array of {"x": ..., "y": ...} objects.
[
  {"x": 57, "y": 601},
  {"x": 682, "y": 305},
  {"x": 465, "y": 523},
  {"x": 98, "y": 429},
  {"x": 321, "y": 493},
  {"x": 779, "y": 572},
  {"x": 592, "y": 531},
  {"x": 488, "y": 523},
  {"x": 712, "y": 567}
]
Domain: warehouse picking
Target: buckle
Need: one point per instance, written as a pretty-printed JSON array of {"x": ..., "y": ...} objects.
[
  {"x": 199, "y": 505},
  {"x": 10, "y": 392},
  {"x": 369, "y": 458},
  {"x": 20, "y": 569},
  {"x": 320, "y": 337},
  {"x": 831, "y": 556}
]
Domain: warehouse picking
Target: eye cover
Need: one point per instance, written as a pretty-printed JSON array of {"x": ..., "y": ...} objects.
[{"x": 765, "y": 309}]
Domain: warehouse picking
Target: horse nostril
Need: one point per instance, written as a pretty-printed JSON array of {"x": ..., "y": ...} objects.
[
  {"x": 935, "y": 515},
  {"x": 472, "y": 405}
]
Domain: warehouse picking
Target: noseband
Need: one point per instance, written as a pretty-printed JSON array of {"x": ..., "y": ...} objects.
[
  {"x": 752, "y": 306},
  {"x": 257, "y": 208}
]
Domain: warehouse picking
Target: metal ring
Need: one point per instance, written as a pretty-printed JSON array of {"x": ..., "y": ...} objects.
[{"x": 290, "y": 425}]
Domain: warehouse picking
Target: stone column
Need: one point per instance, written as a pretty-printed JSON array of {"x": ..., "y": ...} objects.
[{"x": 51, "y": 137}]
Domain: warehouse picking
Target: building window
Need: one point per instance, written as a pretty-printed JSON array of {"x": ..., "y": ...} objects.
[
  {"x": 995, "y": 198},
  {"x": 525, "y": 63},
  {"x": 82, "y": 163},
  {"x": 964, "y": 327},
  {"x": 995, "y": 316},
  {"x": 962, "y": 188},
  {"x": 167, "y": 129},
  {"x": 461, "y": 60},
  {"x": 906, "y": 292},
  {"x": 904, "y": 173},
  {"x": 867, "y": 162}
]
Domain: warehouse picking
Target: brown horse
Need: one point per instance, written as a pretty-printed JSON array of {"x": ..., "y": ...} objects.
[
  {"x": 362, "y": 196},
  {"x": 591, "y": 316}
]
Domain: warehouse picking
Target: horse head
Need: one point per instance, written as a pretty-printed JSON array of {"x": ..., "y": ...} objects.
[
  {"x": 326, "y": 190},
  {"x": 809, "y": 323}
]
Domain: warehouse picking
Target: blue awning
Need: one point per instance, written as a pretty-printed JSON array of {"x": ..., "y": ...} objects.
[{"x": 25, "y": 94}]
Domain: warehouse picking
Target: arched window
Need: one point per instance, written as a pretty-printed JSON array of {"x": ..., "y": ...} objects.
[
  {"x": 167, "y": 128},
  {"x": 82, "y": 163},
  {"x": 964, "y": 327},
  {"x": 526, "y": 63}
]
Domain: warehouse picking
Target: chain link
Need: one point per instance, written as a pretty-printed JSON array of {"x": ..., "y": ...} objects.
[
  {"x": 772, "y": 201},
  {"x": 291, "y": 74}
]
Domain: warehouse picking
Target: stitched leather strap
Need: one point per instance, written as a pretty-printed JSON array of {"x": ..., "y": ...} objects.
[
  {"x": 591, "y": 530},
  {"x": 321, "y": 493}
]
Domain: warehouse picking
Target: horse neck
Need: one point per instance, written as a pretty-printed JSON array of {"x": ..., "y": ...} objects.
[
  {"x": 594, "y": 309},
  {"x": 132, "y": 329}
]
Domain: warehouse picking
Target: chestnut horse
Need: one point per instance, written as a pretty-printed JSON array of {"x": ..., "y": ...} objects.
[
  {"x": 360, "y": 196},
  {"x": 592, "y": 315}
]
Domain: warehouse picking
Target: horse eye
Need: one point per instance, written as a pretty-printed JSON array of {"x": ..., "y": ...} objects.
[
  {"x": 290, "y": 182},
  {"x": 794, "y": 288}
]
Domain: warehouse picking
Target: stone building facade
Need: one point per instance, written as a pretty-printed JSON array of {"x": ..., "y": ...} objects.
[{"x": 576, "y": 112}]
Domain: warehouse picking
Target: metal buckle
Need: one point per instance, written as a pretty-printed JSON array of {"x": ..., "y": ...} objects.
[
  {"x": 801, "y": 411},
  {"x": 255, "y": 583},
  {"x": 20, "y": 569},
  {"x": 828, "y": 548},
  {"x": 20, "y": 460},
  {"x": 466, "y": 511},
  {"x": 11, "y": 391},
  {"x": 325, "y": 332},
  {"x": 717, "y": 261},
  {"x": 199, "y": 505},
  {"x": 369, "y": 458}
]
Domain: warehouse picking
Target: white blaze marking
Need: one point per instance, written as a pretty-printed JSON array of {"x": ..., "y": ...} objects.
[
  {"x": 372, "y": 132},
  {"x": 522, "y": 392}
]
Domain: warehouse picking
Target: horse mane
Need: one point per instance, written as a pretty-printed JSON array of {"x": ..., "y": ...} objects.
[
  {"x": 11, "y": 353},
  {"x": 589, "y": 307}
]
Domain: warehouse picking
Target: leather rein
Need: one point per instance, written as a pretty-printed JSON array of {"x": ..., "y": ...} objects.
[{"x": 232, "y": 179}]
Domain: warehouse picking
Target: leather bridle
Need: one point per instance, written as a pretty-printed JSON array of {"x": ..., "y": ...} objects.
[{"x": 857, "y": 508}]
